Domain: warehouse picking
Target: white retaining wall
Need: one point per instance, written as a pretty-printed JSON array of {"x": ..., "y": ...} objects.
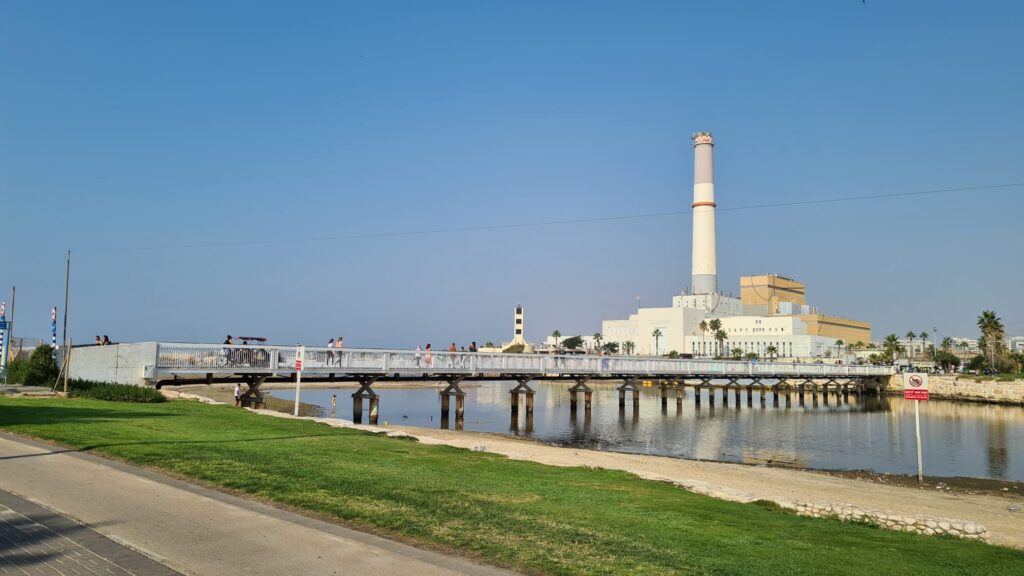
[{"x": 133, "y": 364}]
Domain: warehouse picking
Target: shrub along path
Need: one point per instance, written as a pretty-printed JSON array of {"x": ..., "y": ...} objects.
[{"x": 520, "y": 514}]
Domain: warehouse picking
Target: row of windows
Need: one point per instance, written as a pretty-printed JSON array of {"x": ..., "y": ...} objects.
[{"x": 705, "y": 348}]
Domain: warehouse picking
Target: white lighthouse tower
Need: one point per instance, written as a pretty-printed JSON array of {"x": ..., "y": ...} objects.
[
  {"x": 705, "y": 269},
  {"x": 517, "y": 336}
]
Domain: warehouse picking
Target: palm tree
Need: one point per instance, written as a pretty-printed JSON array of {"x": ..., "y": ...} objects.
[
  {"x": 839, "y": 346},
  {"x": 703, "y": 329},
  {"x": 771, "y": 350},
  {"x": 947, "y": 343},
  {"x": 597, "y": 340},
  {"x": 628, "y": 347},
  {"x": 911, "y": 336},
  {"x": 892, "y": 346},
  {"x": 924, "y": 337},
  {"x": 715, "y": 325},
  {"x": 737, "y": 353},
  {"x": 556, "y": 335},
  {"x": 657, "y": 338},
  {"x": 993, "y": 331},
  {"x": 720, "y": 336}
]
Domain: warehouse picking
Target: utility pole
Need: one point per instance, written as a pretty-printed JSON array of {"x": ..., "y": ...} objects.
[
  {"x": 10, "y": 337},
  {"x": 67, "y": 284},
  {"x": 10, "y": 331}
]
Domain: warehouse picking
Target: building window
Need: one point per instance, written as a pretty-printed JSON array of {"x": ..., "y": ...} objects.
[
  {"x": 519, "y": 331},
  {"x": 519, "y": 320}
]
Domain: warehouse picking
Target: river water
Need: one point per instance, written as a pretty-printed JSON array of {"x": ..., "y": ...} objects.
[{"x": 873, "y": 433}]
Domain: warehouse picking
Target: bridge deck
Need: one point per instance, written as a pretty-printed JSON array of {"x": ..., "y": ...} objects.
[{"x": 176, "y": 360}]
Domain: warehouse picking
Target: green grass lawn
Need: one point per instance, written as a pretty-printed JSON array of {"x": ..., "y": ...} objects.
[{"x": 527, "y": 516}]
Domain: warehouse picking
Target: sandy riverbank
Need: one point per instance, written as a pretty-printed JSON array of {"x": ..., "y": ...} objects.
[{"x": 1002, "y": 514}]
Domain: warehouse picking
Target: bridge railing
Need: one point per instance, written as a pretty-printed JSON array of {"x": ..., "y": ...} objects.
[{"x": 177, "y": 358}]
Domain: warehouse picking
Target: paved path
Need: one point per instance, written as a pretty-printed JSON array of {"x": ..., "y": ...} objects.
[
  {"x": 191, "y": 529},
  {"x": 34, "y": 540}
]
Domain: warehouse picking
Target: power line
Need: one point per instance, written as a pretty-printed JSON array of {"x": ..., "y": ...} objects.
[{"x": 492, "y": 227}]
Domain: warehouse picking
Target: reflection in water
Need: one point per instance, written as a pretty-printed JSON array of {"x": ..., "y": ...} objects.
[
  {"x": 847, "y": 432},
  {"x": 997, "y": 449}
]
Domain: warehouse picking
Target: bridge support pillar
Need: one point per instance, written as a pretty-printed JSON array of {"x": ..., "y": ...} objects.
[
  {"x": 824, "y": 393},
  {"x": 581, "y": 386},
  {"x": 365, "y": 392},
  {"x": 357, "y": 410},
  {"x": 629, "y": 384},
  {"x": 374, "y": 406},
  {"x": 664, "y": 395},
  {"x": 775, "y": 395},
  {"x": 736, "y": 396},
  {"x": 764, "y": 396},
  {"x": 253, "y": 396},
  {"x": 696, "y": 395},
  {"x": 522, "y": 388},
  {"x": 679, "y": 397},
  {"x": 450, "y": 391}
]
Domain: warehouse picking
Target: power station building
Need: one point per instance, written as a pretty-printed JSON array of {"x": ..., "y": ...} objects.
[{"x": 771, "y": 318}]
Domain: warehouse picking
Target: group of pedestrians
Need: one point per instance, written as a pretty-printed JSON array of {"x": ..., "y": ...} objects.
[
  {"x": 330, "y": 358},
  {"x": 105, "y": 341},
  {"x": 456, "y": 359}
]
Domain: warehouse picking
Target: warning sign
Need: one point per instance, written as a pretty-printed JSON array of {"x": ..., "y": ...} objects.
[{"x": 915, "y": 386}]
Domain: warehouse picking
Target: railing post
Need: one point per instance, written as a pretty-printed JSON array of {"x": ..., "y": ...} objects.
[{"x": 384, "y": 361}]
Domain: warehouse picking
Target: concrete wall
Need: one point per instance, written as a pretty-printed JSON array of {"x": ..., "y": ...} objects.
[
  {"x": 118, "y": 363},
  {"x": 965, "y": 388}
]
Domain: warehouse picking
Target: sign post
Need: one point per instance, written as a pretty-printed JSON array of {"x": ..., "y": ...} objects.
[
  {"x": 300, "y": 351},
  {"x": 3, "y": 340},
  {"x": 915, "y": 387}
]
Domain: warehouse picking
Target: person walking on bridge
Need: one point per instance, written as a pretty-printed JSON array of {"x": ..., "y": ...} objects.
[
  {"x": 453, "y": 352},
  {"x": 338, "y": 344}
]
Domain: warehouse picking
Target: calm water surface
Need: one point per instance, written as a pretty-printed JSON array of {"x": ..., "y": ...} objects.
[{"x": 959, "y": 439}]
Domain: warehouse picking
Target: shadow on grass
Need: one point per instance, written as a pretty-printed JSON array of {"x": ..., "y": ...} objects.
[
  {"x": 160, "y": 442},
  {"x": 13, "y": 414}
]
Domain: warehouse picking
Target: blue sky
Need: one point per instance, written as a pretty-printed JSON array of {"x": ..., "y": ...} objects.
[{"x": 131, "y": 125}]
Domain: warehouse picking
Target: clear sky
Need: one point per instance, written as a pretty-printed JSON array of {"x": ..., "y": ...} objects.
[{"x": 245, "y": 129}]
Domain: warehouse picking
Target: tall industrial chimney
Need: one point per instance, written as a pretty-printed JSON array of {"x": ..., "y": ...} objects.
[{"x": 705, "y": 269}]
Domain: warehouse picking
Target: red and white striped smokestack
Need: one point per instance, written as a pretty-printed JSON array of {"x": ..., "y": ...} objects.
[{"x": 705, "y": 268}]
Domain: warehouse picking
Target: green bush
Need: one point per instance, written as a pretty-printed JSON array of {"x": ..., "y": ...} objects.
[
  {"x": 39, "y": 369},
  {"x": 114, "y": 392}
]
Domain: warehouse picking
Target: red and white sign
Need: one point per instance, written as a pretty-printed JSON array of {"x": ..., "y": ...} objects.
[
  {"x": 298, "y": 365},
  {"x": 300, "y": 352},
  {"x": 915, "y": 386}
]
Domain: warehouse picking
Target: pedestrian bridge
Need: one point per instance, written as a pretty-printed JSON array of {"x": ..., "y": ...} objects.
[
  {"x": 172, "y": 363},
  {"x": 177, "y": 361}
]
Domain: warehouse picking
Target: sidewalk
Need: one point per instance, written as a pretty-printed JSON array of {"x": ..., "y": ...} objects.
[
  {"x": 34, "y": 540},
  {"x": 195, "y": 530}
]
